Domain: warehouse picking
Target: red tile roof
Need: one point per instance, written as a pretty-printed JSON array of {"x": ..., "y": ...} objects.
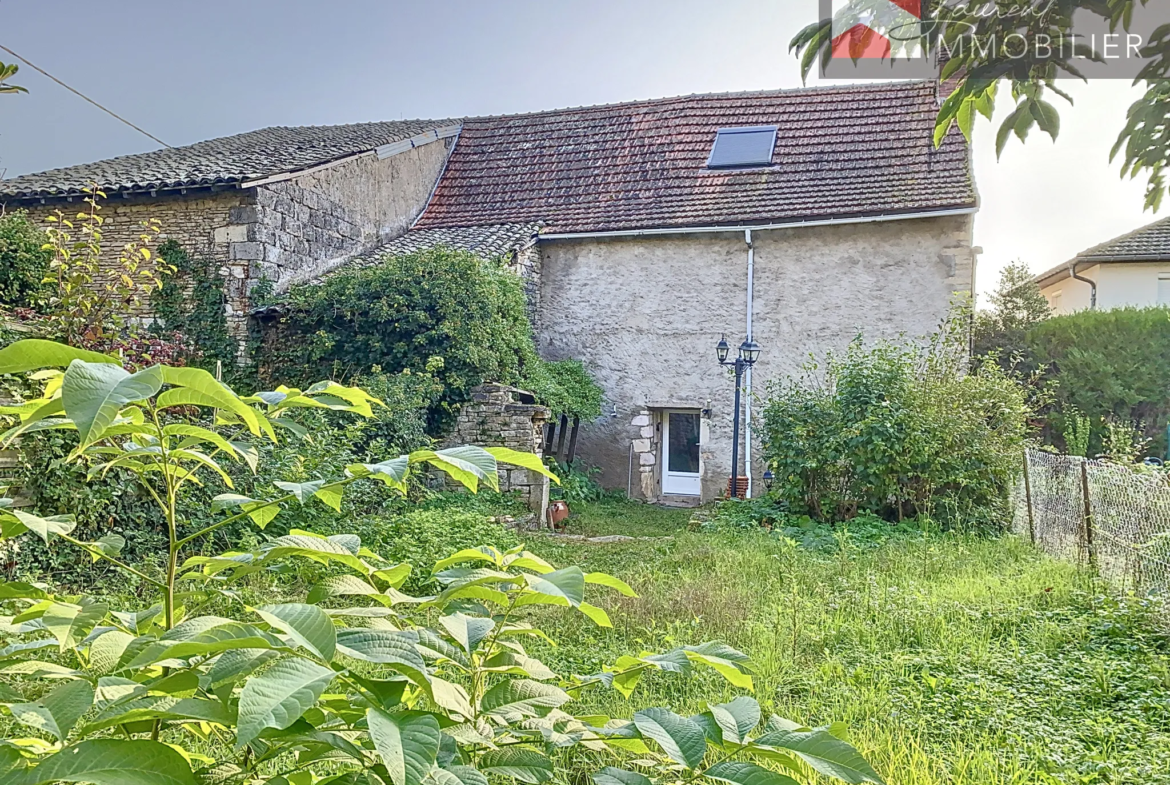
[{"x": 841, "y": 152}]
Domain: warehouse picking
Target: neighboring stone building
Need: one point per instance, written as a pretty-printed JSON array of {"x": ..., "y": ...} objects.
[
  {"x": 644, "y": 232},
  {"x": 278, "y": 204},
  {"x": 1131, "y": 270}
]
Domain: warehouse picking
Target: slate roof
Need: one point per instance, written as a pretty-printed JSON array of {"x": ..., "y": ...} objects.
[
  {"x": 488, "y": 242},
  {"x": 853, "y": 151},
  {"x": 1150, "y": 243},
  {"x": 230, "y": 159}
]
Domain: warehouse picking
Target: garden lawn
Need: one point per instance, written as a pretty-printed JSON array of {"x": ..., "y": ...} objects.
[{"x": 951, "y": 658}]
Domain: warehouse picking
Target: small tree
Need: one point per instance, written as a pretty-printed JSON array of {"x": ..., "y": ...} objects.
[
  {"x": 359, "y": 684},
  {"x": 1017, "y": 304},
  {"x": 87, "y": 299}
]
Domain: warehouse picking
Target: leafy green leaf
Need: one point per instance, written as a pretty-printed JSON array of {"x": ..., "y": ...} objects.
[
  {"x": 408, "y": 743},
  {"x": 468, "y": 465},
  {"x": 161, "y": 707},
  {"x": 32, "y": 354},
  {"x": 740, "y": 773},
  {"x": 384, "y": 647},
  {"x": 57, "y": 711},
  {"x": 42, "y": 527},
  {"x": 568, "y": 583},
  {"x": 515, "y": 699},
  {"x": 824, "y": 752},
  {"x": 679, "y": 737},
  {"x": 612, "y": 776},
  {"x": 603, "y": 579},
  {"x": 107, "y": 649},
  {"x": 521, "y": 764},
  {"x": 467, "y": 631},
  {"x": 525, "y": 460},
  {"x": 112, "y": 762},
  {"x": 307, "y": 624},
  {"x": 597, "y": 615},
  {"x": 69, "y": 624},
  {"x": 277, "y": 697},
  {"x": 94, "y": 394},
  {"x": 302, "y": 491},
  {"x": 736, "y": 719}
]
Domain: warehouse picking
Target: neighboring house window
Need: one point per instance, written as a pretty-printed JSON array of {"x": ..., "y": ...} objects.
[
  {"x": 1164, "y": 289},
  {"x": 742, "y": 147},
  {"x": 1055, "y": 302}
]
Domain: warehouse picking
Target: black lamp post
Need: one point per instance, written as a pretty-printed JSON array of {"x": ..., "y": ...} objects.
[{"x": 749, "y": 352}]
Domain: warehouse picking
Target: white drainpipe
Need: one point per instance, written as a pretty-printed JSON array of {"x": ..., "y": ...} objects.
[{"x": 747, "y": 417}]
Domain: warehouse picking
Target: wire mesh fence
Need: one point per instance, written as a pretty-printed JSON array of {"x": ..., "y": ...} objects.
[{"x": 1110, "y": 517}]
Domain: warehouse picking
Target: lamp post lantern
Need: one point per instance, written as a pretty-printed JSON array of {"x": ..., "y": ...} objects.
[{"x": 749, "y": 352}]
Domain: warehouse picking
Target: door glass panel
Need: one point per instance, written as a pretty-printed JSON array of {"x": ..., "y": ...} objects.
[{"x": 683, "y": 450}]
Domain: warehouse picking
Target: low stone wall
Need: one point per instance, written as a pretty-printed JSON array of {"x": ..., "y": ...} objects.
[{"x": 501, "y": 416}]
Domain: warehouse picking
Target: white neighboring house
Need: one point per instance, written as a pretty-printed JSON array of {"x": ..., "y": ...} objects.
[{"x": 1131, "y": 270}]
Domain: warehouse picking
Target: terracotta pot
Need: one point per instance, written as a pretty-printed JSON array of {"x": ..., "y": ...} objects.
[{"x": 558, "y": 511}]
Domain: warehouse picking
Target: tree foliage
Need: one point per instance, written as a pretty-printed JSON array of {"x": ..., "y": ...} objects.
[
  {"x": 24, "y": 261},
  {"x": 977, "y": 71},
  {"x": 440, "y": 311},
  {"x": 1016, "y": 305},
  {"x": 357, "y": 682},
  {"x": 896, "y": 429}
]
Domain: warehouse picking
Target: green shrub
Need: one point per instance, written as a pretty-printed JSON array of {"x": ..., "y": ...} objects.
[
  {"x": 440, "y": 311},
  {"x": 23, "y": 261},
  {"x": 565, "y": 387},
  {"x": 896, "y": 430},
  {"x": 1105, "y": 365}
]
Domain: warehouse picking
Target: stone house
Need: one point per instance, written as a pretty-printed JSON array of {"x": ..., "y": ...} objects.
[
  {"x": 645, "y": 231},
  {"x": 1131, "y": 270},
  {"x": 278, "y": 204}
]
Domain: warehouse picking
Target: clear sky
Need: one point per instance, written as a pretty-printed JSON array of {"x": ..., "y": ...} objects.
[{"x": 193, "y": 70}]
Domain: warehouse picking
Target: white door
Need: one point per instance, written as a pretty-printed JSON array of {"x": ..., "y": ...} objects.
[{"x": 680, "y": 467}]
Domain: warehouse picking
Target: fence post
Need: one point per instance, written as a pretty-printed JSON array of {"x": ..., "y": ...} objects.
[
  {"x": 1028, "y": 499},
  {"x": 1088, "y": 514}
]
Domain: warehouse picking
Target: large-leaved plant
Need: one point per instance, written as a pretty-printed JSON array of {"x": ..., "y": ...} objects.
[{"x": 356, "y": 683}]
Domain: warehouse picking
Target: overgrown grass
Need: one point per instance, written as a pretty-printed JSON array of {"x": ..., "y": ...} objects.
[{"x": 952, "y": 658}]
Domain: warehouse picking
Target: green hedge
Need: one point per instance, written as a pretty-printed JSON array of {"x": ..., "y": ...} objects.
[{"x": 1108, "y": 365}]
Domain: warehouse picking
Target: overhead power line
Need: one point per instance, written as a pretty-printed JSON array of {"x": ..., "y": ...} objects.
[{"x": 83, "y": 96}]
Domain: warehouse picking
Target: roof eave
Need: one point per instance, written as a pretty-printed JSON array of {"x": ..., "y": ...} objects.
[
  {"x": 763, "y": 225},
  {"x": 1061, "y": 272}
]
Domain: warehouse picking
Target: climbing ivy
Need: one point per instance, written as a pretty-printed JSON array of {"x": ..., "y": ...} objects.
[{"x": 191, "y": 301}]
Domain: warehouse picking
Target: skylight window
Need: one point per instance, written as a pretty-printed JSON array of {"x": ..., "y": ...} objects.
[{"x": 742, "y": 147}]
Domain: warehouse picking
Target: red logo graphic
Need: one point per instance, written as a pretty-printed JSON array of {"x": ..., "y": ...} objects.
[{"x": 861, "y": 28}]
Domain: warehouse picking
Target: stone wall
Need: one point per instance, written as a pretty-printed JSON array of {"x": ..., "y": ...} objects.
[
  {"x": 502, "y": 416},
  {"x": 306, "y": 226},
  {"x": 644, "y": 315},
  {"x": 194, "y": 221}
]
